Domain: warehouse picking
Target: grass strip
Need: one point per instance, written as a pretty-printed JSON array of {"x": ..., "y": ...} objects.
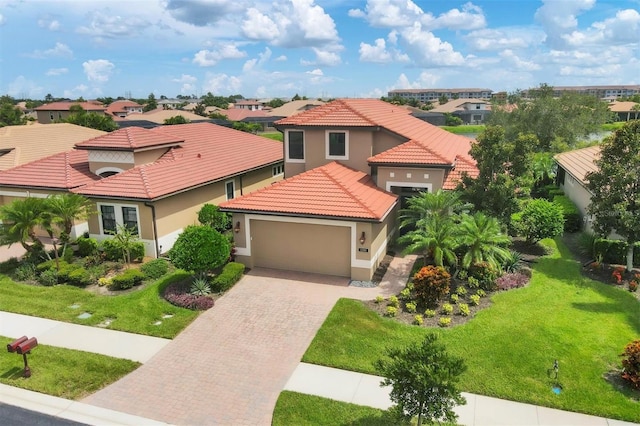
[
  {"x": 510, "y": 346},
  {"x": 62, "y": 372},
  {"x": 135, "y": 312}
]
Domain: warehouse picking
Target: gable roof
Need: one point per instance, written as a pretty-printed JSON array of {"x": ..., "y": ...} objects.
[
  {"x": 457, "y": 105},
  {"x": 579, "y": 162},
  {"x": 209, "y": 153},
  {"x": 332, "y": 190},
  {"x": 130, "y": 139},
  {"x": 239, "y": 114},
  {"x": 66, "y": 105},
  {"x": 625, "y": 106},
  {"x": 121, "y": 106},
  {"x": 24, "y": 144},
  {"x": 159, "y": 115},
  {"x": 441, "y": 147},
  {"x": 295, "y": 107}
]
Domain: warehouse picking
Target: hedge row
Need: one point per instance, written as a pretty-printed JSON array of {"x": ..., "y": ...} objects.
[
  {"x": 231, "y": 274},
  {"x": 615, "y": 251},
  {"x": 572, "y": 217},
  {"x": 90, "y": 246}
]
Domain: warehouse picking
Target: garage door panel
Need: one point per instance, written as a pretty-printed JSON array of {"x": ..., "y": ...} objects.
[{"x": 302, "y": 247}]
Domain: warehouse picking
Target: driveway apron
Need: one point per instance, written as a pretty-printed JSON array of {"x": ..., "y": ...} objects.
[{"x": 229, "y": 366}]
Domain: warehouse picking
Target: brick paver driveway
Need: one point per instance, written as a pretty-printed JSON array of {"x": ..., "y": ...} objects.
[{"x": 230, "y": 365}]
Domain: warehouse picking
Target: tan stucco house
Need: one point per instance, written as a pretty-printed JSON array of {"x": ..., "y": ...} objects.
[
  {"x": 49, "y": 113},
  {"x": 348, "y": 166},
  {"x": 153, "y": 181}
]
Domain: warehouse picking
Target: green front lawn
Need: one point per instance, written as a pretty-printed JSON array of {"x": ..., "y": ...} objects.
[
  {"x": 276, "y": 136},
  {"x": 295, "y": 408},
  {"x": 62, "y": 372},
  {"x": 134, "y": 312},
  {"x": 510, "y": 346}
]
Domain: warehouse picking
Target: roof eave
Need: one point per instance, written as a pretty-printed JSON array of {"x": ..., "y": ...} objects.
[{"x": 304, "y": 215}]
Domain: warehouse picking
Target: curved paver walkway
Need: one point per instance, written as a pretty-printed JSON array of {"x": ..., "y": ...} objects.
[{"x": 229, "y": 366}]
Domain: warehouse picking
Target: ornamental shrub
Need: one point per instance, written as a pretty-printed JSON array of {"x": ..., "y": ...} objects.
[
  {"x": 393, "y": 301},
  {"x": 87, "y": 246},
  {"x": 485, "y": 274},
  {"x": 571, "y": 214},
  {"x": 155, "y": 268},
  {"x": 509, "y": 281},
  {"x": 475, "y": 299},
  {"x": 26, "y": 272},
  {"x": 431, "y": 284},
  {"x": 447, "y": 309},
  {"x": 126, "y": 280},
  {"x": 463, "y": 309},
  {"x": 631, "y": 364},
  {"x": 615, "y": 251},
  {"x": 429, "y": 313},
  {"x": 405, "y": 294},
  {"x": 379, "y": 299},
  {"x": 418, "y": 320},
  {"x": 200, "y": 249},
  {"x": 231, "y": 274},
  {"x": 391, "y": 311},
  {"x": 48, "y": 278},
  {"x": 177, "y": 294},
  {"x": 461, "y": 291},
  {"x": 540, "y": 219},
  {"x": 411, "y": 307},
  {"x": 79, "y": 277},
  {"x": 454, "y": 298},
  {"x": 444, "y": 322}
]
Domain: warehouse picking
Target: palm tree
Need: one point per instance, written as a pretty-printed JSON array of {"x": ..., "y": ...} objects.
[
  {"x": 483, "y": 239},
  {"x": 66, "y": 208},
  {"x": 440, "y": 204},
  {"x": 20, "y": 220},
  {"x": 434, "y": 237}
]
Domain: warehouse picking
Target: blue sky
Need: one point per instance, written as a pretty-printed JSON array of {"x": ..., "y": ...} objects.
[{"x": 316, "y": 48}]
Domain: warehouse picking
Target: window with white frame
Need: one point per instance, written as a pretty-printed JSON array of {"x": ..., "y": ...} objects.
[
  {"x": 295, "y": 146},
  {"x": 337, "y": 145},
  {"x": 114, "y": 215},
  {"x": 278, "y": 169},
  {"x": 230, "y": 189}
]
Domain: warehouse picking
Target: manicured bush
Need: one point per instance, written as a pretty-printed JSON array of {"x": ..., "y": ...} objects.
[
  {"x": 87, "y": 246},
  {"x": 48, "y": 278},
  {"x": 447, "y": 309},
  {"x": 475, "y": 299},
  {"x": 461, "y": 291},
  {"x": 405, "y": 294},
  {"x": 26, "y": 272},
  {"x": 155, "y": 268},
  {"x": 200, "y": 249},
  {"x": 631, "y": 364},
  {"x": 126, "y": 280},
  {"x": 136, "y": 252},
  {"x": 393, "y": 301},
  {"x": 571, "y": 214},
  {"x": 79, "y": 277},
  {"x": 444, "y": 322},
  {"x": 429, "y": 313},
  {"x": 454, "y": 298},
  {"x": 411, "y": 307},
  {"x": 418, "y": 320},
  {"x": 509, "y": 281},
  {"x": 431, "y": 283},
  {"x": 231, "y": 274},
  {"x": 67, "y": 256},
  {"x": 485, "y": 274},
  {"x": 177, "y": 294},
  {"x": 554, "y": 192},
  {"x": 391, "y": 311},
  {"x": 379, "y": 299},
  {"x": 539, "y": 219},
  {"x": 463, "y": 309},
  {"x": 111, "y": 249}
]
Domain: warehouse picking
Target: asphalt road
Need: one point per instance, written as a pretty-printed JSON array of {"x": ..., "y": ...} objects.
[{"x": 16, "y": 416}]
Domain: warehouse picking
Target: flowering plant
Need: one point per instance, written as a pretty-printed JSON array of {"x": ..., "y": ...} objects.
[{"x": 616, "y": 275}]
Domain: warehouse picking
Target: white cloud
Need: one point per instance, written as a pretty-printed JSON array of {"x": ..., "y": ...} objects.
[
  {"x": 470, "y": 17},
  {"x": 258, "y": 62},
  {"x": 76, "y": 92},
  {"x": 389, "y": 13},
  {"x": 57, "y": 71},
  {"x": 188, "y": 83},
  {"x": 379, "y": 53},
  {"x": 185, "y": 78},
  {"x": 504, "y": 38},
  {"x": 623, "y": 28},
  {"x": 105, "y": 25},
  {"x": 511, "y": 58},
  {"x": 281, "y": 58},
  {"x": 49, "y": 23},
  {"x": 60, "y": 50},
  {"x": 2, "y": 20},
  {"x": 23, "y": 88},
  {"x": 323, "y": 58},
  {"x": 317, "y": 71},
  {"x": 425, "y": 49},
  {"x": 425, "y": 79},
  {"x": 560, "y": 17},
  {"x": 208, "y": 58},
  {"x": 222, "y": 84},
  {"x": 258, "y": 26},
  {"x": 203, "y": 12},
  {"x": 98, "y": 70}
]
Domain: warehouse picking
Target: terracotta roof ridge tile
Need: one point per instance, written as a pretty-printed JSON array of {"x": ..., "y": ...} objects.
[
  {"x": 145, "y": 182},
  {"x": 325, "y": 171},
  {"x": 359, "y": 114}
]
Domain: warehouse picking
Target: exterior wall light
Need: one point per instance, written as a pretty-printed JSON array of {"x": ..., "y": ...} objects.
[
  {"x": 236, "y": 229},
  {"x": 363, "y": 238}
]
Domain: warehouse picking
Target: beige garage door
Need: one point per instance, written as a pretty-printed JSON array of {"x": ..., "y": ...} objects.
[{"x": 300, "y": 247}]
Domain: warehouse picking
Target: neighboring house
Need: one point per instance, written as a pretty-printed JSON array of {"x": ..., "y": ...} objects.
[
  {"x": 123, "y": 108},
  {"x": 625, "y": 111},
  {"x": 160, "y": 115},
  {"x": 24, "y": 144},
  {"x": 573, "y": 167},
  {"x": 349, "y": 165},
  {"x": 470, "y": 111},
  {"x": 295, "y": 107},
  {"x": 152, "y": 181},
  {"x": 427, "y": 95},
  {"x": 249, "y": 104},
  {"x": 49, "y": 113}
]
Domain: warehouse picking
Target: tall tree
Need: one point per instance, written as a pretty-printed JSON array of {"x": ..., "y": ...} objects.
[
  {"x": 67, "y": 208},
  {"x": 177, "y": 119},
  {"x": 92, "y": 120},
  {"x": 424, "y": 380},
  {"x": 504, "y": 172},
  {"x": 10, "y": 115},
  {"x": 151, "y": 103},
  {"x": 557, "y": 122},
  {"x": 615, "y": 187},
  {"x": 20, "y": 219}
]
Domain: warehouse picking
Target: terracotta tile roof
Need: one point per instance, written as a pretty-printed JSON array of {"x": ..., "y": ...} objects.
[
  {"x": 457, "y": 105},
  {"x": 332, "y": 190},
  {"x": 463, "y": 165},
  {"x": 623, "y": 106},
  {"x": 65, "y": 106},
  {"x": 579, "y": 162},
  {"x": 209, "y": 153},
  {"x": 130, "y": 139},
  {"x": 239, "y": 114},
  {"x": 29, "y": 143},
  {"x": 295, "y": 107},
  {"x": 67, "y": 170},
  {"x": 121, "y": 106},
  {"x": 159, "y": 115},
  {"x": 440, "y": 146}
]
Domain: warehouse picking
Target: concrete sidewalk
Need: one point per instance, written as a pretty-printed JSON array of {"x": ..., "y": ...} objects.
[
  {"x": 365, "y": 389},
  {"x": 118, "y": 344}
]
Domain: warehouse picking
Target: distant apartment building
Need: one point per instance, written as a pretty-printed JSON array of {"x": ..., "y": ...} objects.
[
  {"x": 428, "y": 95},
  {"x": 601, "y": 92}
]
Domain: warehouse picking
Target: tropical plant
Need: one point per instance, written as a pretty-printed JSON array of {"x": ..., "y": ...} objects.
[
  {"x": 200, "y": 249},
  {"x": 200, "y": 286},
  {"x": 631, "y": 364},
  {"x": 435, "y": 237},
  {"x": 431, "y": 283},
  {"x": 424, "y": 380},
  {"x": 540, "y": 219},
  {"x": 512, "y": 262},
  {"x": 210, "y": 214},
  {"x": 20, "y": 218},
  {"x": 441, "y": 204},
  {"x": 483, "y": 240},
  {"x": 67, "y": 208}
]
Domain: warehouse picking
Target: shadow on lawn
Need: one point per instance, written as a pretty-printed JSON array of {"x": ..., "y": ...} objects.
[
  {"x": 568, "y": 270},
  {"x": 14, "y": 373}
]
